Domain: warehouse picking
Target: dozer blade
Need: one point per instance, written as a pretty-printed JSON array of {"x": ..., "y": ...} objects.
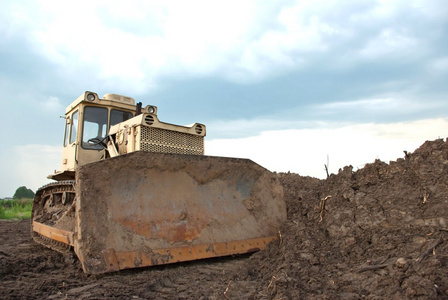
[{"x": 144, "y": 209}]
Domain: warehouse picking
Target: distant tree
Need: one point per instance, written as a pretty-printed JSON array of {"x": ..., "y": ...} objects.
[{"x": 23, "y": 192}]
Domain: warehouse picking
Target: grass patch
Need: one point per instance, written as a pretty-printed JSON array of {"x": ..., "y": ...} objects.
[{"x": 16, "y": 209}]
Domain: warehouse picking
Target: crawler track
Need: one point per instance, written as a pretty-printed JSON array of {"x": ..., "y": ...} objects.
[{"x": 53, "y": 206}]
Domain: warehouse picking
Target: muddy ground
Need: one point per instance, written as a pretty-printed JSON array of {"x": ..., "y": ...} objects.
[{"x": 380, "y": 232}]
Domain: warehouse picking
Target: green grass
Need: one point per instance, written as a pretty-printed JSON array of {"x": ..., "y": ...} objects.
[{"x": 16, "y": 209}]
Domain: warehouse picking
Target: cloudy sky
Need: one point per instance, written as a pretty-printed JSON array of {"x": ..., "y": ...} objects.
[{"x": 291, "y": 85}]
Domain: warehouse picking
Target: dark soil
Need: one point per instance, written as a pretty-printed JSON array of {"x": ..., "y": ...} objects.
[{"x": 378, "y": 233}]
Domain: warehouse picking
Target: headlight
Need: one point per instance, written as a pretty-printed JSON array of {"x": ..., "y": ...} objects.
[{"x": 90, "y": 97}]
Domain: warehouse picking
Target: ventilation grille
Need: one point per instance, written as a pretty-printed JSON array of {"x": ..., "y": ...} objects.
[
  {"x": 167, "y": 141},
  {"x": 198, "y": 129},
  {"x": 149, "y": 120}
]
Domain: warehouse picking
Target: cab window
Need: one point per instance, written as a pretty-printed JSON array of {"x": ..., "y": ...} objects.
[
  {"x": 118, "y": 116},
  {"x": 95, "y": 127},
  {"x": 67, "y": 131},
  {"x": 74, "y": 127}
]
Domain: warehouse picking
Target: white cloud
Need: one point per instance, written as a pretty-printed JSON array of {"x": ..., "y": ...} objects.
[
  {"x": 434, "y": 10},
  {"x": 53, "y": 105},
  {"x": 390, "y": 42},
  {"x": 439, "y": 65},
  {"x": 305, "y": 151},
  {"x": 134, "y": 43},
  {"x": 317, "y": 116},
  {"x": 359, "y": 104},
  {"x": 384, "y": 106}
]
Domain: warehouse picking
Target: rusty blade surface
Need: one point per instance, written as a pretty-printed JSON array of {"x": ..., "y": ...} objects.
[{"x": 146, "y": 208}]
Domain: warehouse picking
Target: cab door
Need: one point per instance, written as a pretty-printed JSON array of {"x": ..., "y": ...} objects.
[{"x": 92, "y": 132}]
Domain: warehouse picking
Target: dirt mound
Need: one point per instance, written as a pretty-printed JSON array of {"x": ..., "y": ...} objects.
[{"x": 378, "y": 233}]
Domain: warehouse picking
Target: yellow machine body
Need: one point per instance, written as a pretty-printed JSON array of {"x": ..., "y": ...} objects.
[{"x": 140, "y": 192}]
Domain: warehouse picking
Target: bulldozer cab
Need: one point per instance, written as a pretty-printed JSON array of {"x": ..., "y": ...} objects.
[
  {"x": 88, "y": 120},
  {"x": 98, "y": 128}
]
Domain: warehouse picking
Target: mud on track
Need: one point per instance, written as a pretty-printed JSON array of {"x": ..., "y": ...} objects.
[{"x": 383, "y": 234}]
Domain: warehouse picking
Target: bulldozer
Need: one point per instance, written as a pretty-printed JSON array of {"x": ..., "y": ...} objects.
[{"x": 134, "y": 191}]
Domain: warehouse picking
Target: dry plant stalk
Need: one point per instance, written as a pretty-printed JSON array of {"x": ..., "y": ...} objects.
[
  {"x": 322, "y": 207},
  {"x": 432, "y": 250},
  {"x": 272, "y": 283},
  {"x": 326, "y": 171},
  {"x": 225, "y": 292},
  {"x": 280, "y": 238},
  {"x": 425, "y": 197},
  {"x": 326, "y": 167},
  {"x": 375, "y": 267}
]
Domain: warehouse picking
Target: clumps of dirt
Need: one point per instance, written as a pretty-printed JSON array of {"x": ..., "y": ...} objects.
[{"x": 378, "y": 233}]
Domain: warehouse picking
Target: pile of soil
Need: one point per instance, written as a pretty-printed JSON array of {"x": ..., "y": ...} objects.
[{"x": 378, "y": 233}]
